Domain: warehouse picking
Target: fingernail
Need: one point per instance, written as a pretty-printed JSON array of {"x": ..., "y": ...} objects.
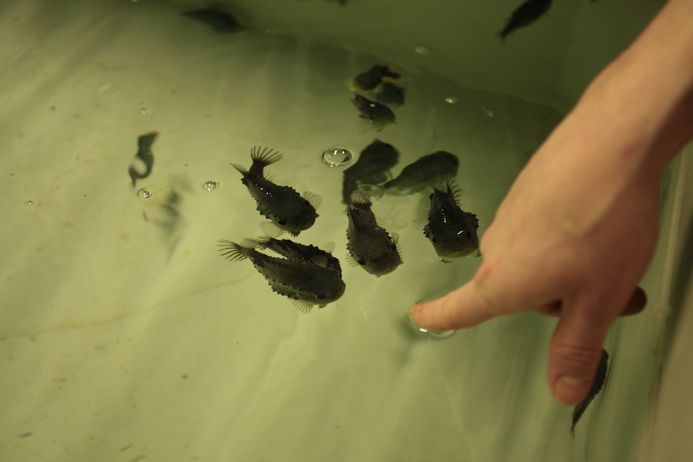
[
  {"x": 571, "y": 390},
  {"x": 422, "y": 331}
]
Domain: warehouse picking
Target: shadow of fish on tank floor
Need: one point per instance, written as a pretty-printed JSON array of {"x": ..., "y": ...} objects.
[
  {"x": 599, "y": 381},
  {"x": 216, "y": 17},
  {"x": 305, "y": 274}
]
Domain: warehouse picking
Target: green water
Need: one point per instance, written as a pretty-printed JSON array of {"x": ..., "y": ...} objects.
[{"x": 124, "y": 335}]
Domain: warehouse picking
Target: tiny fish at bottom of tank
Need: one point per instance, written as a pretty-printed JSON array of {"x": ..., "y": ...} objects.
[
  {"x": 307, "y": 284},
  {"x": 376, "y": 113},
  {"x": 451, "y": 230},
  {"x": 283, "y": 205},
  {"x": 423, "y": 172},
  {"x": 597, "y": 385},
  {"x": 368, "y": 243}
]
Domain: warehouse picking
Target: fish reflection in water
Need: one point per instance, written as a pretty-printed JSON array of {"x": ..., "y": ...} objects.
[
  {"x": 144, "y": 154},
  {"x": 376, "y": 113},
  {"x": 305, "y": 274},
  {"x": 371, "y": 168},
  {"x": 423, "y": 172}
]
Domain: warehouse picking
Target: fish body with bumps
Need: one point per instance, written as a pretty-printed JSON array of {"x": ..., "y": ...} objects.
[
  {"x": 423, "y": 172},
  {"x": 300, "y": 252},
  {"x": 371, "y": 168},
  {"x": 306, "y": 283},
  {"x": 451, "y": 230},
  {"x": 378, "y": 114},
  {"x": 369, "y": 244},
  {"x": 283, "y": 205}
]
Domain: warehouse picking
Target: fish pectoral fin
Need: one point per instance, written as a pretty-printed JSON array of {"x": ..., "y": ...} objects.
[
  {"x": 351, "y": 261},
  {"x": 264, "y": 156},
  {"x": 301, "y": 306},
  {"x": 271, "y": 230},
  {"x": 313, "y": 199}
]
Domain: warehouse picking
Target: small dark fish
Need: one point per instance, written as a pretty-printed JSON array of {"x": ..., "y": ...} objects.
[
  {"x": 144, "y": 153},
  {"x": 220, "y": 21},
  {"x": 452, "y": 231},
  {"x": 391, "y": 93},
  {"x": 371, "y": 168},
  {"x": 423, "y": 172},
  {"x": 524, "y": 15},
  {"x": 305, "y": 283},
  {"x": 370, "y": 245},
  {"x": 373, "y": 77},
  {"x": 376, "y": 113},
  {"x": 597, "y": 384},
  {"x": 285, "y": 207},
  {"x": 300, "y": 252}
]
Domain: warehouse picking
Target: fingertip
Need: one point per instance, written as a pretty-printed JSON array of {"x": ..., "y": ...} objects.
[
  {"x": 571, "y": 390},
  {"x": 460, "y": 308}
]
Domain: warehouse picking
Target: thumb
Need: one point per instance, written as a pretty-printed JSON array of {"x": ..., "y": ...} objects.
[{"x": 574, "y": 354}]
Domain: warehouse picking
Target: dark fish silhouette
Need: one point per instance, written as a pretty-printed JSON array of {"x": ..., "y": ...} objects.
[
  {"x": 370, "y": 245},
  {"x": 285, "y": 207},
  {"x": 597, "y": 384},
  {"x": 302, "y": 281},
  {"x": 423, "y": 172},
  {"x": 144, "y": 153},
  {"x": 299, "y": 252},
  {"x": 390, "y": 93},
  {"x": 220, "y": 21},
  {"x": 452, "y": 231},
  {"x": 524, "y": 15},
  {"x": 373, "y": 77},
  {"x": 376, "y": 113},
  {"x": 371, "y": 168}
]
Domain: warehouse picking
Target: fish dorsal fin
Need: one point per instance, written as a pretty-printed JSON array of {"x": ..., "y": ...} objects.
[
  {"x": 447, "y": 185},
  {"x": 398, "y": 246},
  {"x": 360, "y": 197},
  {"x": 301, "y": 306},
  {"x": 313, "y": 199},
  {"x": 380, "y": 221},
  {"x": 232, "y": 251},
  {"x": 264, "y": 155},
  {"x": 271, "y": 230},
  {"x": 327, "y": 246},
  {"x": 351, "y": 261}
]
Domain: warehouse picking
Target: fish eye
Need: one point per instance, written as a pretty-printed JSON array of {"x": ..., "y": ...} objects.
[
  {"x": 282, "y": 222},
  {"x": 361, "y": 261},
  {"x": 321, "y": 297},
  {"x": 434, "y": 240}
]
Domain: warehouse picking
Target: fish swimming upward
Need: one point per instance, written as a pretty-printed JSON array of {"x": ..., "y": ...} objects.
[
  {"x": 307, "y": 284},
  {"x": 524, "y": 15},
  {"x": 423, "y": 172},
  {"x": 452, "y": 231},
  {"x": 599, "y": 380},
  {"x": 376, "y": 113},
  {"x": 371, "y": 168},
  {"x": 370, "y": 245},
  {"x": 285, "y": 207}
]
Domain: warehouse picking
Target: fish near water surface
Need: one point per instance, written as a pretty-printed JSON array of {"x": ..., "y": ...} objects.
[
  {"x": 370, "y": 245},
  {"x": 371, "y": 168},
  {"x": 524, "y": 15},
  {"x": 374, "y": 112},
  {"x": 283, "y": 205},
  {"x": 423, "y": 172},
  {"x": 451, "y": 230},
  {"x": 597, "y": 385},
  {"x": 307, "y": 284}
]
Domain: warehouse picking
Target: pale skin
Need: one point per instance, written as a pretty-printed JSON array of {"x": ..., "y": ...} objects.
[{"x": 577, "y": 230}]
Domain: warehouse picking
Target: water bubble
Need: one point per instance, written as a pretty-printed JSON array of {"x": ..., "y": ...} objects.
[
  {"x": 336, "y": 156},
  {"x": 210, "y": 185},
  {"x": 144, "y": 193},
  {"x": 451, "y": 99},
  {"x": 488, "y": 111},
  {"x": 144, "y": 110},
  {"x": 29, "y": 203},
  {"x": 422, "y": 50}
]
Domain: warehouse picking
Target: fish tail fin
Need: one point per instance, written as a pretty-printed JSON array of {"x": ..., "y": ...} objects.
[
  {"x": 360, "y": 198},
  {"x": 234, "y": 252},
  {"x": 262, "y": 157}
]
